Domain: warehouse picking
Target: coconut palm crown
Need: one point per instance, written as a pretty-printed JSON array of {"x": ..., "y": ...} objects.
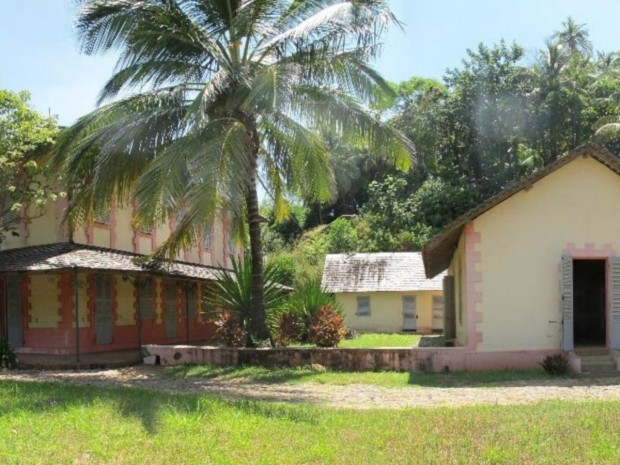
[{"x": 209, "y": 98}]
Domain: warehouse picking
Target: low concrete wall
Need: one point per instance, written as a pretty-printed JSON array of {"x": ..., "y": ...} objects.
[{"x": 393, "y": 359}]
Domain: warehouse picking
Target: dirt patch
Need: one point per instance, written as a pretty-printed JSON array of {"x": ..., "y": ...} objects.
[{"x": 356, "y": 396}]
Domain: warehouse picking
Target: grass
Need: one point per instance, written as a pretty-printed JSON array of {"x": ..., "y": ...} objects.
[
  {"x": 369, "y": 340},
  {"x": 63, "y": 424},
  {"x": 374, "y": 340},
  {"x": 392, "y": 379}
]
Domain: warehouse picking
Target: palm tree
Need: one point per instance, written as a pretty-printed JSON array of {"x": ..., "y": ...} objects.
[
  {"x": 211, "y": 96},
  {"x": 575, "y": 37}
]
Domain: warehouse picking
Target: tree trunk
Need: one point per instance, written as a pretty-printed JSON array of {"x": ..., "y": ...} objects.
[{"x": 259, "y": 330}]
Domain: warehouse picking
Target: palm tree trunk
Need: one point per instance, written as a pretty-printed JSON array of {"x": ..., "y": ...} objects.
[{"x": 259, "y": 330}]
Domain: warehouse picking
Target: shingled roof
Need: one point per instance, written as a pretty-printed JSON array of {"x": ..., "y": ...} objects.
[
  {"x": 377, "y": 272},
  {"x": 65, "y": 255},
  {"x": 438, "y": 251}
]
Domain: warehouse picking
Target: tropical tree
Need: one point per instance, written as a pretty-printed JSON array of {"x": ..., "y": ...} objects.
[
  {"x": 25, "y": 137},
  {"x": 211, "y": 96},
  {"x": 575, "y": 37}
]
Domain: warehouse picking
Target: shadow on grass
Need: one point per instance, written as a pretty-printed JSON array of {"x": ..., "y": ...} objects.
[
  {"x": 145, "y": 405},
  {"x": 254, "y": 374},
  {"x": 483, "y": 379}
]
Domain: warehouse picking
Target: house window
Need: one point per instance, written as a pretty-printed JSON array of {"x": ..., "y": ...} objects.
[
  {"x": 191, "y": 295},
  {"x": 363, "y": 306},
  {"x": 207, "y": 239},
  {"x": 229, "y": 240},
  {"x": 9, "y": 218},
  {"x": 145, "y": 299},
  {"x": 102, "y": 216},
  {"x": 178, "y": 218}
]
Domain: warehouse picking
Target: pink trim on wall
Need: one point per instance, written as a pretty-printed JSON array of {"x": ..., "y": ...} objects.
[
  {"x": 473, "y": 277},
  {"x": 589, "y": 251},
  {"x": 113, "y": 226},
  {"x": 89, "y": 232}
]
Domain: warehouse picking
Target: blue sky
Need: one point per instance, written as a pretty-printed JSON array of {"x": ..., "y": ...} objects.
[{"x": 38, "y": 51}]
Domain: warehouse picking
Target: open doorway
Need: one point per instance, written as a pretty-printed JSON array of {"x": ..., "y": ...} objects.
[{"x": 589, "y": 302}]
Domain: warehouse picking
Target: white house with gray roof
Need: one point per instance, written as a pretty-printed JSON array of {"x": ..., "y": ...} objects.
[{"x": 385, "y": 292}]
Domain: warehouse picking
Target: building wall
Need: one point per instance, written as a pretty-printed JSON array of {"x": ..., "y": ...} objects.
[
  {"x": 516, "y": 249},
  {"x": 386, "y": 311},
  {"x": 48, "y": 314},
  {"x": 118, "y": 234}
]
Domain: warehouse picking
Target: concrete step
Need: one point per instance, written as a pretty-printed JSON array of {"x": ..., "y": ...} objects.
[{"x": 598, "y": 364}]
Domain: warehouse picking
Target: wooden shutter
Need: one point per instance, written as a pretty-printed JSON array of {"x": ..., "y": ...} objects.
[
  {"x": 567, "y": 296},
  {"x": 14, "y": 311},
  {"x": 449, "y": 308},
  {"x": 103, "y": 310},
  {"x": 146, "y": 302},
  {"x": 191, "y": 294},
  {"x": 614, "y": 271}
]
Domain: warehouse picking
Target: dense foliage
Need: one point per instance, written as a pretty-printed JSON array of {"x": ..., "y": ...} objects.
[
  {"x": 25, "y": 137},
  {"x": 498, "y": 117}
]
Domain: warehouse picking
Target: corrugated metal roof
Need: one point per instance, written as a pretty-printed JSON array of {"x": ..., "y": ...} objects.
[
  {"x": 67, "y": 255},
  {"x": 376, "y": 272}
]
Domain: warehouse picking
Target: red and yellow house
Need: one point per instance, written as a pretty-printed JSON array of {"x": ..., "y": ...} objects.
[{"x": 88, "y": 291}]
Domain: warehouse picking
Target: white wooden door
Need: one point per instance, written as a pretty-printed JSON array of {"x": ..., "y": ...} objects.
[
  {"x": 438, "y": 312},
  {"x": 409, "y": 313}
]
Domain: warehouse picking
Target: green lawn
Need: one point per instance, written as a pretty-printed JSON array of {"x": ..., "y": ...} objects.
[
  {"x": 62, "y": 424},
  {"x": 368, "y": 340},
  {"x": 374, "y": 340},
  {"x": 385, "y": 378}
]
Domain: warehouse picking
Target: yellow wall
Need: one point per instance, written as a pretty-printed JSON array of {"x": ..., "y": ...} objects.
[
  {"x": 125, "y": 310},
  {"x": 522, "y": 240},
  {"x": 83, "y": 309},
  {"x": 47, "y": 229},
  {"x": 44, "y": 301},
  {"x": 124, "y": 230},
  {"x": 386, "y": 310}
]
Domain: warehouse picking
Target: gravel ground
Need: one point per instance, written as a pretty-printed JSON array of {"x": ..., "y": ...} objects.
[{"x": 355, "y": 396}]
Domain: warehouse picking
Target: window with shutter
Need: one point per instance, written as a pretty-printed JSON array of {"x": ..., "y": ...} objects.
[
  {"x": 102, "y": 216},
  {"x": 207, "y": 239},
  {"x": 191, "y": 294},
  {"x": 14, "y": 312},
  {"x": 146, "y": 299},
  {"x": 566, "y": 285},
  {"x": 103, "y": 310},
  {"x": 614, "y": 270},
  {"x": 363, "y": 306}
]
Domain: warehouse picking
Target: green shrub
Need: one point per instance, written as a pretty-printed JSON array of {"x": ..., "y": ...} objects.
[
  {"x": 290, "y": 329},
  {"x": 8, "y": 359},
  {"x": 555, "y": 365},
  {"x": 229, "y": 331},
  {"x": 327, "y": 328},
  {"x": 232, "y": 293}
]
